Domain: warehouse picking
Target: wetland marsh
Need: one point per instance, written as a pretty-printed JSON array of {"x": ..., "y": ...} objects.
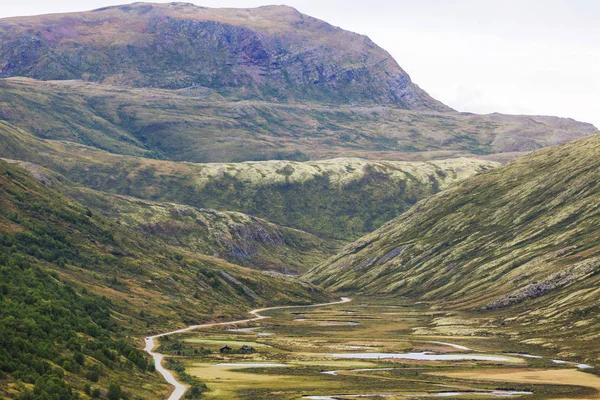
[{"x": 314, "y": 353}]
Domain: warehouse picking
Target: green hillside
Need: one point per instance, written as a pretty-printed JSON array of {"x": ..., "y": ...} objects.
[
  {"x": 78, "y": 290},
  {"x": 238, "y": 238},
  {"x": 339, "y": 199},
  {"x": 518, "y": 241},
  {"x": 203, "y": 126}
]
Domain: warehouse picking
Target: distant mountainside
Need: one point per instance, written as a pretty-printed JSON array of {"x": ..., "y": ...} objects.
[
  {"x": 335, "y": 199},
  {"x": 269, "y": 53},
  {"x": 201, "y": 126},
  {"x": 186, "y": 83},
  {"x": 522, "y": 238}
]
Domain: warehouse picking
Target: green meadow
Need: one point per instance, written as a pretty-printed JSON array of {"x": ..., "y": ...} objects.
[{"x": 294, "y": 357}]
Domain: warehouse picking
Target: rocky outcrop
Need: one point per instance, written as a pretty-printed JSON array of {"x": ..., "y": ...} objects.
[
  {"x": 273, "y": 53},
  {"x": 555, "y": 281}
]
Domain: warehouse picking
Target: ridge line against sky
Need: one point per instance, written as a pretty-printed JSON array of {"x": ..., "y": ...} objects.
[{"x": 538, "y": 57}]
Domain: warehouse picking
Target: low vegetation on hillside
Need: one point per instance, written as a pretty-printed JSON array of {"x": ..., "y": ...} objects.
[
  {"x": 519, "y": 242},
  {"x": 77, "y": 288},
  {"x": 201, "y": 126},
  {"x": 339, "y": 199},
  {"x": 238, "y": 238}
]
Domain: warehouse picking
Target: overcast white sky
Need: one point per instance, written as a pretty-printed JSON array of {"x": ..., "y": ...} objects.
[{"x": 510, "y": 56}]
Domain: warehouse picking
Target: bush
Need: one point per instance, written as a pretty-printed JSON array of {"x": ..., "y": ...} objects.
[{"x": 114, "y": 391}]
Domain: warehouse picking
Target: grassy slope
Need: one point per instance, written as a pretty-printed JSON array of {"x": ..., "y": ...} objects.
[
  {"x": 144, "y": 262},
  {"x": 236, "y": 237},
  {"x": 151, "y": 285},
  {"x": 520, "y": 240},
  {"x": 339, "y": 199},
  {"x": 201, "y": 126}
]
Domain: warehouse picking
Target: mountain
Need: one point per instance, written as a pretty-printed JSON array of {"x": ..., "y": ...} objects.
[
  {"x": 271, "y": 52},
  {"x": 77, "y": 290},
  {"x": 335, "y": 199},
  {"x": 201, "y": 126},
  {"x": 518, "y": 242},
  {"x": 186, "y": 83}
]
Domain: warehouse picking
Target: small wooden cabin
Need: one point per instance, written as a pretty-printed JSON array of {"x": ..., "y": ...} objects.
[
  {"x": 225, "y": 349},
  {"x": 247, "y": 349}
]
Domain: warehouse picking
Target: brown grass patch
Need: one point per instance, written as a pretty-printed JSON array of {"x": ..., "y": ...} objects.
[{"x": 534, "y": 376}]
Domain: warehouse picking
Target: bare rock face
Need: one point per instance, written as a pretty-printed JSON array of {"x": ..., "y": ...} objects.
[{"x": 270, "y": 53}]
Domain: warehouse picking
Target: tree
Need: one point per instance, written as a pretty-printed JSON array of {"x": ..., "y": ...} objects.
[{"x": 114, "y": 391}]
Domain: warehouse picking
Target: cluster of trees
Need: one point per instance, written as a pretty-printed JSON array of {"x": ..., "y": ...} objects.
[
  {"x": 56, "y": 339},
  {"x": 47, "y": 329},
  {"x": 180, "y": 349}
]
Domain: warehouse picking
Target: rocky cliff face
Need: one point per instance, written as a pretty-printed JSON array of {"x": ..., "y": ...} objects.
[{"x": 273, "y": 53}]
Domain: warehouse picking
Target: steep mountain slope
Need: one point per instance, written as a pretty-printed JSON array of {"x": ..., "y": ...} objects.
[
  {"x": 201, "y": 126},
  {"x": 54, "y": 251},
  {"x": 271, "y": 52},
  {"x": 519, "y": 241},
  {"x": 236, "y": 237},
  {"x": 340, "y": 199}
]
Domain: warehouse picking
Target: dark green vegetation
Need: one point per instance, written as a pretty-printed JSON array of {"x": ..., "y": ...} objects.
[
  {"x": 519, "y": 243},
  {"x": 48, "y": 330},
  {"x": 54, "y": 335},
  {"x": 77, "y": 289},
  {"x": 339, "y": 199},
  {"x": 182, "y": 125}
]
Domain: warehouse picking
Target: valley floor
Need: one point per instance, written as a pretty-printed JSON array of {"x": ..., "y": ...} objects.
[{"x": 373, "y": 348}]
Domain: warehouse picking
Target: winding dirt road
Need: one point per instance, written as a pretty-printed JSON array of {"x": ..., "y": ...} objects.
[{"x": 180, "y": 388}]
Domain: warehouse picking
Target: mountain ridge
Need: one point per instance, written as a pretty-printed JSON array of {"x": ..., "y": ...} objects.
[
  {"x": 270, "y": 52},
  {"x": 186, "y": 83},
  {"x": 201, "y": 126},
  {"x": 325, "y": 198}
]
